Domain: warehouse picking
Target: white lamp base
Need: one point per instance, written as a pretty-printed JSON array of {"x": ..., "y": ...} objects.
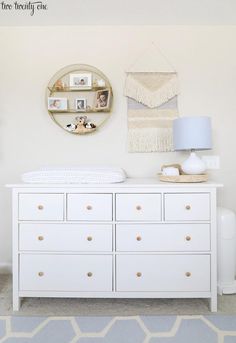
[{"x": 193, "y": 165}]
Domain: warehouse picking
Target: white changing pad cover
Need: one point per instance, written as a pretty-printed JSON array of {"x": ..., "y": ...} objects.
[{"x": 75, "y": 175}]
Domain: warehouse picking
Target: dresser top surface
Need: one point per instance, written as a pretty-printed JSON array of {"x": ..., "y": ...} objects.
[{"x": 129, "y": 183}]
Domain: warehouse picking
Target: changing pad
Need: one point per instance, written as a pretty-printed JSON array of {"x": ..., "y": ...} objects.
[{"x": 75, "y": 175}]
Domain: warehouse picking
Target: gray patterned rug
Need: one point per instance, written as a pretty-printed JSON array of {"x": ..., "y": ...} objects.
[{"x": 138, "y": 329}]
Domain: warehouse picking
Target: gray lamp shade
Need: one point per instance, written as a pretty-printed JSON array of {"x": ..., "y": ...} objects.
[{"x": 192, "y": 133}]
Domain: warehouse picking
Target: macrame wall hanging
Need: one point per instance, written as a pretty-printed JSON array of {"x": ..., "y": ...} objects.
[{"x": 151, "y": 88}]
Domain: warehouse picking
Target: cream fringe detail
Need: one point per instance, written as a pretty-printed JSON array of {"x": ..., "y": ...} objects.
[
  {"x": 135, "y": 90},
  {"x": 150, "y": 140}
]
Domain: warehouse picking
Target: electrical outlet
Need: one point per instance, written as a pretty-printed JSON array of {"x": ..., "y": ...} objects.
[{"x": 212, "y": 161}]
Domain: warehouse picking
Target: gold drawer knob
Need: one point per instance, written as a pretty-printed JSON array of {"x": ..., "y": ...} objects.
[
  {"x": 139, "y": 274},
  {"x": 89, "y": 207},
  {"x": 139, "y": 238},
  {"x": 89, "y": 238},
  {"x": 138, "y": 208},
  {"x": 40, "y": 207},
  {"x": 188, "y": 207},
  {"x": 188, "y": 238},
  {"x": 188, "y": 274},
  {"x": 40, "y": 238},
  {"x": 89, "y": 274},
  {"x": 41, "y": 274}
]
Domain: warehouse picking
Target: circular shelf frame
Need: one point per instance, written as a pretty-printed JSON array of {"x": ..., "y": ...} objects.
[{"x": 64, "y": 76}]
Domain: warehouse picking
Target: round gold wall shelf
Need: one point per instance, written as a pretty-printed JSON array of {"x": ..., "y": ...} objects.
[{"x": 79, "y": 98}]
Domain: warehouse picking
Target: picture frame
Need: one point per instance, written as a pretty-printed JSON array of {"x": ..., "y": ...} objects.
[
  {"x": 80, "y": 104},
  {"x": 57, "y": 104},
  {"x": 102, "y": 99},
  {"x": 81, "y": 81}
]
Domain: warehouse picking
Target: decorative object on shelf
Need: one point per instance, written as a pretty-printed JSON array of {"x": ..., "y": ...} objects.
[
  {"x": 152, "y": 91},
  {"x": 90, "y": 125},
  {"x": 57, "y": 104},
  {"x": 81, "y": 104},
  {"x": 59, "y": 85},
  {"x": 170, "y": 171},
  {"x": 82, "y": 125},
  {"x": 81, "y": 81},
  {"x": 101, "y": 83},
  {"x": 102, "y": 100},
  {"x": 175, "y": 173},
  {"x": 166, "y": 169},
  {"x": 71, "y": 127},
  {"x": 89, "y": 91},
  {"x": 192, "y": 133}
]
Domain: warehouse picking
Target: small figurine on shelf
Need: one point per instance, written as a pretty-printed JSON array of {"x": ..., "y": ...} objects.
[
  {"x": 83, "y": 125},
  {"x": 99, "y": 83},
  {"x": 71, "y": 127},
  {"x": 80, "y": 124},
  {"x": 90, "y": 125},
  {"x": 59, "y": 85}
]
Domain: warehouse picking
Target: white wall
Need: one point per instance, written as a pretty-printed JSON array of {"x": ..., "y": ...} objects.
[{"x": 205, "y": 58}]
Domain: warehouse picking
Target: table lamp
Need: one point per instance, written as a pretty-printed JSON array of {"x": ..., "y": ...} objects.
[{"x": 192, "y": 133}]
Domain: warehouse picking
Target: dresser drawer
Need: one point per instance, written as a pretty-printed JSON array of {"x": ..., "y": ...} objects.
[
  {"x": 163, "y": 237},
  {"x": 138, "y": 207},
  {"x": 41, "y": 206},
  {"x": 65, "y": 273},
  {"x": 164, "y": 273},
  {"x": 89, "y": 207},
  {"x": 65, "y": 237},
  {"x": 187, "y": 206}
]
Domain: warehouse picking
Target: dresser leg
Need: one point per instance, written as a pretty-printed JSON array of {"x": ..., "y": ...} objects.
[
  {"x": 16, "y": 303},
  {"x": 213, "y": 304}
]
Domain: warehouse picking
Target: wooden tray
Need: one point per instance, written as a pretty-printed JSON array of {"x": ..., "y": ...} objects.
[{"x": 184, "y": 178}]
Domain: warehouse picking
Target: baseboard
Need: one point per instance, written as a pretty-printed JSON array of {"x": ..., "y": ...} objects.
[{"x": 5, "y": 268}]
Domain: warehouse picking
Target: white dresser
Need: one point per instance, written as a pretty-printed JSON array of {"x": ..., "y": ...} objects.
[{"x": 138, "y": 239}]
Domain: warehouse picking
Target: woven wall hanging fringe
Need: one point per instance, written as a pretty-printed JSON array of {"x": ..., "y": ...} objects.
[{"x": 152, "y": 107}]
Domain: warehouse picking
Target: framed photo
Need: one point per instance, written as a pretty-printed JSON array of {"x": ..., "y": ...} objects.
[
  {"x": 102, "y": 100},
  {"x": 57, "y": 104},
  {"x": 80, "y": 104},
  {"x": 81, "y": 81}
]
